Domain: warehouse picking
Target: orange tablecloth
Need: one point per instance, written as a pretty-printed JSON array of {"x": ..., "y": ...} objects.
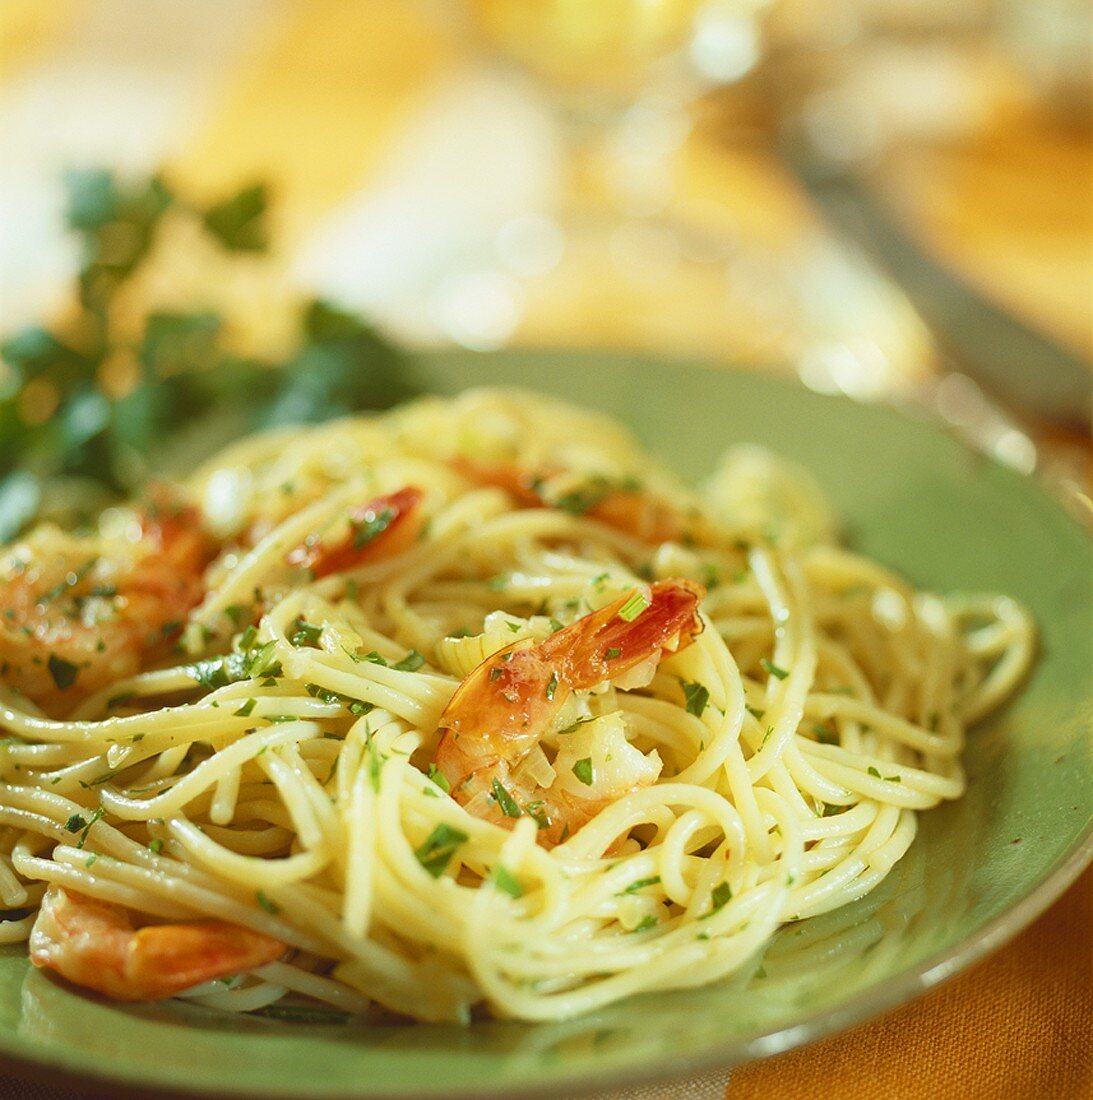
[{"x": 1019, "y": 1025}]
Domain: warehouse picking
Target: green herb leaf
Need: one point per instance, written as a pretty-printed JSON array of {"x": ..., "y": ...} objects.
[
  {"x": 720, "y": 896},
  {"x": 439, "y": 778},
  {"x": 583, "y": 771},
  {"x": 238, "y": 222},
  {"x": 695, "y": 697},
  {"x": 505, "y": 800},
  {"x": 410, "y": 663},
  {"x": 639, "y": 884},
  {"x": 635, "y": 604},
  {"x": 825, "y": 735},
  {"x": 503, "y": 879},
  {"x": 371, "y": 526},
  {"x": 302, "y": 633},
  {"x": 439, "y": 847},
  {"x": 64, "y": 672},
  {"x": 773, "y": 669},
  {"x": 270, "y": 907}
]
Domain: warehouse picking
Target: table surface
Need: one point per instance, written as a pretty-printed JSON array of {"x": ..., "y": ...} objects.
[{"x": 356, "y": 155}]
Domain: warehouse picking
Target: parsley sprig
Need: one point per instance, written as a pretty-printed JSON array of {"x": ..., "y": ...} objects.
[{"x": 109, "y": 394}]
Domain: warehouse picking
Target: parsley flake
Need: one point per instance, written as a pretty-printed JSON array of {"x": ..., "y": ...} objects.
[
  {"x": 439, "y": 847},
  {"x": 696, "y": 696},
  {"x": 583, "y": 770},
  {"x": 64, "y": 672}
]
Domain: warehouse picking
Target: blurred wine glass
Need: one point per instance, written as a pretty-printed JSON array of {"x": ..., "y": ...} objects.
[{"x": 636, "y": 244}]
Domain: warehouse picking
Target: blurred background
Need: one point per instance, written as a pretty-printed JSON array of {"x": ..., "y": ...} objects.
[{"x": 892, "y": 199}]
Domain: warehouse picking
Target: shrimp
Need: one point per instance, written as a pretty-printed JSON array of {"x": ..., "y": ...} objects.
[
  {"x": 621, "y": 504},
  {"x": 501, "y": 711},
  {"x": 78, "y": 613},
  {"x": 379, "y": 529},
  {"x": 95, "y": 945}
]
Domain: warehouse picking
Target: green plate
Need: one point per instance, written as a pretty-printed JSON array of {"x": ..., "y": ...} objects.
[{"x": 979, "y": 871}]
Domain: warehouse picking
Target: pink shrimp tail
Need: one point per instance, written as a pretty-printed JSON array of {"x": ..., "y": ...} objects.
[{"x": 382, "y": 528}]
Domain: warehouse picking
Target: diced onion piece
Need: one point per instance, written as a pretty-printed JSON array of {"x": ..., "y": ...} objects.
[
  {"x": 639, "y": 675},
  {"x": 461, "y": 656},
  {"x": 535, "y": 770},
  {"x": 617, "y": 767}
]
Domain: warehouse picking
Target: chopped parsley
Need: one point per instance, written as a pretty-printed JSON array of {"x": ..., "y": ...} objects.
[
  {"x": 537, "y": 812},
  {"x": 303, "y": 633},
  {"x": 585, "y": 497},
  {"x": 635, "y": 604},
  {"x": 245, "y": 710},
  {"x": 552, "y": 685},
  {"x": 270, "y": 907},
  {"x": 755, "y": 712},
  {"x": 64, "y": 672},
  {"x": 696, "y": 696},
  {"x": 439, "y": 847},
  {"x": 612, "y": 653},
  {"x": 773, "y": 669},
  {"x": 218, "y": 672},
  {"x": 505, "y": 880},
  {"x": 439, "y": 778},
  {"x": 639, "y": 884},
  {"x": 410, "y": 663},
  {"x": 720, "y": 896},
  {"x": 583, "y": 770},
  {"x": 155, "y": 846},
  {"x": 370, "y": 525},
  {"x": 574, "y": 725},
  {"x": 825, "y": 735},
  {"x": 505, "y": 800},
  {"x": 77, "y": 823},
  {"x": 355, "y": 706},
  {"x": 646, "y": 922}
]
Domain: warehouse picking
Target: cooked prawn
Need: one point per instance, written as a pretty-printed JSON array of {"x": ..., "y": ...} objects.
[
  {"x": 96, "y": 945},
  {"x": 379, "y": 529},
  {"x": 79, "y": 613},
  {"x": 621, "y": 504},
  {"x": 502, "y": 710}
]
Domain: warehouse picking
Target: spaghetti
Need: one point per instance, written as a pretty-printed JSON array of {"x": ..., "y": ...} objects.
[{"x": 470, "y": 704}]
